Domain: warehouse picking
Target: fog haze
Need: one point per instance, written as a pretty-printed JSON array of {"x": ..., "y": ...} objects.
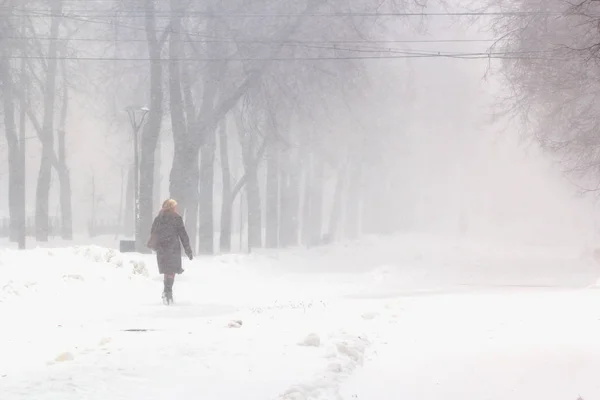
[{"x": 453, "y": 163}]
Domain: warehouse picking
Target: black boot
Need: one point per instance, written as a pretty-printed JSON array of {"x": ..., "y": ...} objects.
[{"x": 168, "y": 290}]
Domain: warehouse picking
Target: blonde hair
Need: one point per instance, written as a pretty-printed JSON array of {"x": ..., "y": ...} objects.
[{"x": 169, "y": 204}]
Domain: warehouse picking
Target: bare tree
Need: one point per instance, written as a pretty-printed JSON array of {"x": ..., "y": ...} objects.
[
  {"x": 16, "y": 147},
  {"x": 63, "y": 170},
  {"x": 550, "y": 64},
  {"x": 153, "y": 126}
]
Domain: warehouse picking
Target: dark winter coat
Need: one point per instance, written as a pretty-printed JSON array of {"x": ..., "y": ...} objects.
[{"x": 168, "y": 230}]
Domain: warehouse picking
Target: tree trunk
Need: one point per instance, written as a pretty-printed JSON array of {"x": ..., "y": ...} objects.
[
  {"x": 150, "y": 132},
  {"x": 207, "y": 172},
  {"x": 129, "y": 217},
  {"x": 64, "y": 177},
  {"x": 65, "y": 204},
  {"x": 121, "y": 221},
  {"x": 45, "y": 174},
  {"x": 183, "y": 182},
  {"x": 14, "y": 152},
  {"x": 184, "y": 188},
  {"x": 272, "y": 206},
  {"x": 227, "y": 198},
  {"x": 254, "y": 211},
  {"x": 42, "y": 197},
  {"x": 336, "y": 208},
  {"x": 316, "y": 209},
  {"x": 290, "y": 203},
  {"x": 353, "y": 200},
  {"x": 306, "y": 202},
  {"x": 191, "y": 214},
  {"x": 157, "y": 195},
  {"x": 21, "y": 198},
  {"x": 251, "y": 162}
]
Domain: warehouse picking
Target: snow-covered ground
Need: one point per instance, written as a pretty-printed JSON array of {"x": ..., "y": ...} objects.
[{"x": 386, "y": 318}]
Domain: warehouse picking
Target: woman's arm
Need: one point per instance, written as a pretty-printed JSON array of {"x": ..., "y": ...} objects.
[{"x": 185, "y": 239}]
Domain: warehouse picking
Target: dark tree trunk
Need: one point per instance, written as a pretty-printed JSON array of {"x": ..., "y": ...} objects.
[
  {"x": 42, "y": 215},
  {"x": 272, "y": 200},
  {"x": 254, "y": 212},
  {"x": 227, "y": 197},
  {"x": 207, "y": 174},
  {"x": 191, "y": 214},
  {"x": 65, "y": 204},
  {"x": 21, "y": 197},
  {"x": 157, "y": 195},
  {"x": 290, "y": 202},
  {"x": 151, "y": 131},
  {"x": 14, "y": 152},
  {"x": 66, "y": 210},
  {"x": 184, "y": 188},
  {"x": 146, "y": 195},
  {"x": 184, "y": 177},
  {"x": 14, "y": 185},
  {"x": 42, "y": 195},
  {"x": 252, "y": 192}
]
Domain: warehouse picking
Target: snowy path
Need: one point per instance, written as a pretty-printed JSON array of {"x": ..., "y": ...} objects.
[
  {"x": 509, "y": 344},
  {"x": 325, "y": 324}
]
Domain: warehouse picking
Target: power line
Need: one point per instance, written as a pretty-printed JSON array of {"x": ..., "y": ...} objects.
[
  {"x": 137, "y": 28},
  {"x": 363, "y": 48},
  {"x": 341, "y": 45},
  {"x": 466, "y": 56},
  {"x": 256, "y": 41},
  {"x": 142, "y": 13}
]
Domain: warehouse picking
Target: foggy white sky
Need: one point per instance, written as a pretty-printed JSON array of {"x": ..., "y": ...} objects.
[{"x": 452, "y": 158}]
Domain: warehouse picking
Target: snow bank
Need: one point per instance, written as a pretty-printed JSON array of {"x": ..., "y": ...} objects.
[{"x": 68, "y": 287}]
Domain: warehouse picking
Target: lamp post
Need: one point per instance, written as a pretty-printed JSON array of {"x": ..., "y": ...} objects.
[{"x": 137, "y": 115}]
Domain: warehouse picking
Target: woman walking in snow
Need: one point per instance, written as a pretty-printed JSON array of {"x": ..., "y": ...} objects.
[{"x": 167, "y": 235}]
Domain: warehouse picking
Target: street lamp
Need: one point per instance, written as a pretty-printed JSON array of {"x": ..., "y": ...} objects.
[{"x": 137, "y": 116}]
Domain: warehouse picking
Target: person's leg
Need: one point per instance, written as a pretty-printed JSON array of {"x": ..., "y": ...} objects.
[{"x": 168, "y": 281}]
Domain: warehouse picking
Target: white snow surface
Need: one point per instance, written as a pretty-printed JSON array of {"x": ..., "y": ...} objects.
[{"x": 384, "y": 318}]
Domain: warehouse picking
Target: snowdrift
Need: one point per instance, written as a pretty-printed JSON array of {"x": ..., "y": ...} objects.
[{"x": 56, "y": 272}]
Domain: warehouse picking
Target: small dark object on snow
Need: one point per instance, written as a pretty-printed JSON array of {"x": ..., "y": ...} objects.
[{"x": 235, "y": 323}]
